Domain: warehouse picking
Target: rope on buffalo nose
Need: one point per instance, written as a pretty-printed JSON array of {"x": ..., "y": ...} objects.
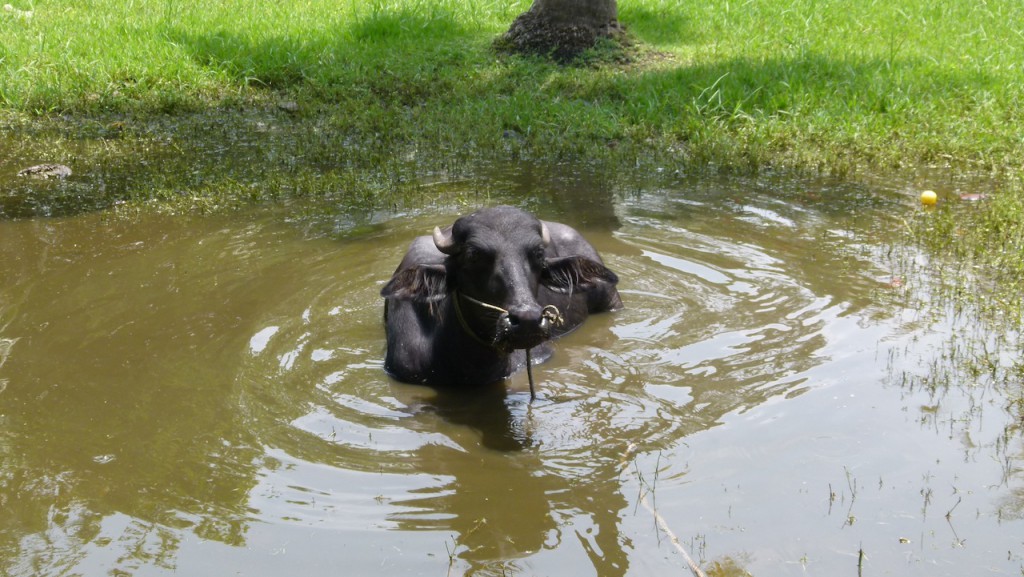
[
  {"x": 549, "y": 314},
  {"x": 552, "y": 315}
]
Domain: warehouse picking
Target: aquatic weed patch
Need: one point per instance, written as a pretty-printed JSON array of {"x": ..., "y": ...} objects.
[
  {"x": 978, "y": 243},
  {"x": 965, "y": 261}
]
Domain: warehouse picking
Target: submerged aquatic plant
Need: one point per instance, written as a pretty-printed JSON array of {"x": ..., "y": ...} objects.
[{"x": 978, "y": 246}]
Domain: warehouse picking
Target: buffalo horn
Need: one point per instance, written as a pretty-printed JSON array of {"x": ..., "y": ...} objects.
[{"x": 444, "y": 242}]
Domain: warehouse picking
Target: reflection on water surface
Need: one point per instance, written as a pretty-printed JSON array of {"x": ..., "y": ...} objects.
[{"x": 205, "y": 396}]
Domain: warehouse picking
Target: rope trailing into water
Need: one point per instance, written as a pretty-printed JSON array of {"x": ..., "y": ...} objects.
[
  {"x": 554, "y": 317},
  {"x": 529, "y": 375},
  {"x": 550, "y": 313}
]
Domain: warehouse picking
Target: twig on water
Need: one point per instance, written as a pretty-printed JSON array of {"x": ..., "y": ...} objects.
[
  {"x": 950, "y": 512},
  {"x": 451, "y": 555},
  {"x": 663, "y": 525},
  {"x": 958, "y": 542},
  {"x": 660, "y": 521}
]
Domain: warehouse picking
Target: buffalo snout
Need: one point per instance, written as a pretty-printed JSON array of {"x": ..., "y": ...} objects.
[
  {"x": 527, "y": 326},
  {"x": 525, "y": 317}
]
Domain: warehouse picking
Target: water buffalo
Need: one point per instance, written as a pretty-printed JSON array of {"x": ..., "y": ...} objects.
[{"x": 466, "y": 302}]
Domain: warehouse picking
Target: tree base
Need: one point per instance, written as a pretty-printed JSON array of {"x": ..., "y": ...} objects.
[{"x": 532, "y": 33}]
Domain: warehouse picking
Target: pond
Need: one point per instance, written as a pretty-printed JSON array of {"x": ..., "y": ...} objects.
[{"x": 204, "y": 395}]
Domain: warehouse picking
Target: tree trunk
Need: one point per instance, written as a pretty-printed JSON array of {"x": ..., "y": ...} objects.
[{"x": 562, "y": 28}]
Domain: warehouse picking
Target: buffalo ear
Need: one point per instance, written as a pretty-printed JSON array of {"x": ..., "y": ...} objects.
[
  {"x": 564, "y": 274},
  {"x": 421, "y": 283}
]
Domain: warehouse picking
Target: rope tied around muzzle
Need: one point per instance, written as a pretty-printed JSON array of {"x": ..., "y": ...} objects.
[{"x": 549, "y": 315}]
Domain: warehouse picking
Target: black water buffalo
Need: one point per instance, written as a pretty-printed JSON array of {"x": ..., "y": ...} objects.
[{"x": 465, "y": 303}]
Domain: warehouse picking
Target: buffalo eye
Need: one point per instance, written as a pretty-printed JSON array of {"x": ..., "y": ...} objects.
[
  {"x": 474, "y": 257},
  {"x": 537, "y": 256}
]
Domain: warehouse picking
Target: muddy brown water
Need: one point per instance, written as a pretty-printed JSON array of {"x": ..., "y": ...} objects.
[{"x": 205, "y": 396}]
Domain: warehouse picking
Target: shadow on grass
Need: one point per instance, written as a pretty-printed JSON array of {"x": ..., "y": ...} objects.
[
  {"x": 375, "y": 44},
  {"x": 656, "y": 27},
  {"x": 422, "y": 57}
]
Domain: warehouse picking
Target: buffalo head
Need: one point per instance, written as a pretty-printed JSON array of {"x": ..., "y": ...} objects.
[{"x": 492, "y": 265}]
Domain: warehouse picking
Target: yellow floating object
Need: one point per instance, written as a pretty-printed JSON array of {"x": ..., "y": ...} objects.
[{"x": 929, "y": 197}]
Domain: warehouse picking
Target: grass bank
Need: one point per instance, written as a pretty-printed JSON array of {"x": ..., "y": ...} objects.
[{"x": 817, "y": 84}]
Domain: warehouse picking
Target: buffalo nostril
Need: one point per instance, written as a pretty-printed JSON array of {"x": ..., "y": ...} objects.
[{"x": 525, "y": 317}]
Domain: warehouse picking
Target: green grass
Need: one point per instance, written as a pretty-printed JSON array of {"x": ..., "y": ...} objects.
[{"x": 806, "y": 84}]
